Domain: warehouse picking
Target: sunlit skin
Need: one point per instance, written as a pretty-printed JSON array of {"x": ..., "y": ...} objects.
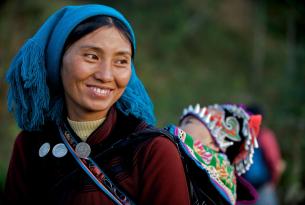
[
  {"x": 198, "y": 131},
  {"x": 95, "y": 72}
]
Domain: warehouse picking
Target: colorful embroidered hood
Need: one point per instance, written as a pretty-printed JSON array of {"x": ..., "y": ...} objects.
[
  {"x": 35, "y": 92},
  {"x": 232, "y": 128}
]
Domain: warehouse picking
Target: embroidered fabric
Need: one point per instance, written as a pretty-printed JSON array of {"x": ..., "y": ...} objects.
[
  {"x": 93, "y": 170},
  {"x": 216, "y": 165}
]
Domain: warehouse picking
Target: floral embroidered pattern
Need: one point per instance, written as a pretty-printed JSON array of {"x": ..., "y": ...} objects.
[{"x": 215, "y": 164}]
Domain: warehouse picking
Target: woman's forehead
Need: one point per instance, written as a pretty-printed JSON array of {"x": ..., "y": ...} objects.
[{"x": 105, "y": 38}]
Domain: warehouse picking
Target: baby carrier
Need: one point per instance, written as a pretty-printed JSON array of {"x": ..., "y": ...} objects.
[{"x": 204, "y": 185}]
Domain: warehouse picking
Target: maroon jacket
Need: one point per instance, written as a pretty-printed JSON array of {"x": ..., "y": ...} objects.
[{"x": 150, "y": 173}]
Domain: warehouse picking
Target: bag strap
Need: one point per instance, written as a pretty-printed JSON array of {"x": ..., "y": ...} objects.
[
  {"x": 94, "y": 172},
  {"x": 135, "y": 138}
]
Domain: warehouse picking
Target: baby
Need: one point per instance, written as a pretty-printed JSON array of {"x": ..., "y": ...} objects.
[{"x": 221, "y": 140}]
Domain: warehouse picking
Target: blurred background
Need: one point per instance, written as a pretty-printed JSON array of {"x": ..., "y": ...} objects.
[{"x": 205, "y": 51}]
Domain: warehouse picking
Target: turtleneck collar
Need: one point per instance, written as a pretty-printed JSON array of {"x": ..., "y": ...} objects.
[{"x": 85, "y": 128}]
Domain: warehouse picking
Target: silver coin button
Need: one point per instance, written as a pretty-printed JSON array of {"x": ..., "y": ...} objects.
[
  {"x": 59, "y": 150},
  {"x": 83, "y": 150},
  {"x": 44, "y": 149}
]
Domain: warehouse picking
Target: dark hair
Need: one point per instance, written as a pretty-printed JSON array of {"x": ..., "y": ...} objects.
[
  {"x": 255, "y": 109},
  {"x": 91, "y": 24}
]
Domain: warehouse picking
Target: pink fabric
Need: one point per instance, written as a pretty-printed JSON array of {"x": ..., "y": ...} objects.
[{"x": 268, "y": 143}]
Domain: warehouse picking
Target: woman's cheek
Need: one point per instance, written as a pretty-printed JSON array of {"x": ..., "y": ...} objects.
[{"x": 123, "y": 77}]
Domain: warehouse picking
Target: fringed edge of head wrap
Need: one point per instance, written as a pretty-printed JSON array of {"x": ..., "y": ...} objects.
[
  {"x": 129, "y": 102},
  {"x": 28, "y": 94}
]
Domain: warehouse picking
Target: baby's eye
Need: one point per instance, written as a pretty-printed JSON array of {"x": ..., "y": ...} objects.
[{"x": 188, "y": 121}]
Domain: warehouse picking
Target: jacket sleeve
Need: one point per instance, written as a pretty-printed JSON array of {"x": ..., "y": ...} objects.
[
  {"x": 163, "y": 178},
  {"x": 16, "y": 184}
]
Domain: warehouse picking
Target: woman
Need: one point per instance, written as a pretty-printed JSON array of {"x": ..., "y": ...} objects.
[{"x": 74, "y": 91}]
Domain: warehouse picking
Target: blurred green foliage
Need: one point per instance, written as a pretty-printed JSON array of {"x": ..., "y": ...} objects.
[{"x": 189, "y": 51}]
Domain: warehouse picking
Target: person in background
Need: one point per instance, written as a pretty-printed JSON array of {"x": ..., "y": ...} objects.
[
  {"x": 73, "y": 90},
  {"x": 221, "y": 139},
  {"x": 268, "y": 165}
]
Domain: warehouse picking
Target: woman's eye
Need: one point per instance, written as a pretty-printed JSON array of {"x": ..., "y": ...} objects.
[
  {"x": 122, "y": 62},
  {"x": 91, "y": 56}
]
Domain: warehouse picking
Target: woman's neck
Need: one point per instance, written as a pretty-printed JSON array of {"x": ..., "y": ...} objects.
[{"x": 84, "y": 129}]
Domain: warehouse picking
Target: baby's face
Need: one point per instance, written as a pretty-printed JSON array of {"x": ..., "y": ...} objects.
[{"x": 198, "y": 131}]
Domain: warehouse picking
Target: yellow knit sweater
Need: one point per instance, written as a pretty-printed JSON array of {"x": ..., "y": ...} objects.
[{"x": 84, "y": 129}]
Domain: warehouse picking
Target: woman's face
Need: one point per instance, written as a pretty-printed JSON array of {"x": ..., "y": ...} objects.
[
  {"x": 198, "y": 131},
  {"x": 95, "y": 72}
]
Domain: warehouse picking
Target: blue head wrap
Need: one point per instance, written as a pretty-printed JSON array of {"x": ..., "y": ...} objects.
[{"x": 35, "y": 72}]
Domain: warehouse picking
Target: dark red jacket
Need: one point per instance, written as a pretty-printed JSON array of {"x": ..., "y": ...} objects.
[{"x": 150, "y": 173}]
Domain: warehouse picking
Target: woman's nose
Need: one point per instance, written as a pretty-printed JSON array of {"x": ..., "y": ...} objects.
[{"x": 104, "y": 72}]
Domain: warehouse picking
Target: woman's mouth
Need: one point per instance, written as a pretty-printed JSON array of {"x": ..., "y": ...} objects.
[{"x": 100, "y": 91}]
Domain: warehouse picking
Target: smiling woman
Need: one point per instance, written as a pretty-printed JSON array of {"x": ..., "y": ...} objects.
[
  {"x": 74, "y": 93},
  {"x": 95, "y": 72}
]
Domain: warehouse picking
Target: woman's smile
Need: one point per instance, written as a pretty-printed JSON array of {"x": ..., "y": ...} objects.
[{"x": 100, "y": 92}]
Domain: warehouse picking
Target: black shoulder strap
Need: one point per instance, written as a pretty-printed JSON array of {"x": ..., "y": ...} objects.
[{"x": 135, "y": 138}]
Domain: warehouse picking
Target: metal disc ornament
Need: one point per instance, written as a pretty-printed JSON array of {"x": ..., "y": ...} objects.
[
  {"x": 83, "y": 150},
  {"x": 59, "y": 150},
  {"x": 44, "y": 149}
]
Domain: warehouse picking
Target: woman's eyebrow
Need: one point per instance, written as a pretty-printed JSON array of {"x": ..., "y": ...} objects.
[
  {"x": 93, "y": 48},
  {"x": 100, "y": 50},
  {"x": 128, "y": 53}
]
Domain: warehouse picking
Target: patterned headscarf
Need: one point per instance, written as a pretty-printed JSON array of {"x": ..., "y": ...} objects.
[{"x": 34, "y": 73}]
